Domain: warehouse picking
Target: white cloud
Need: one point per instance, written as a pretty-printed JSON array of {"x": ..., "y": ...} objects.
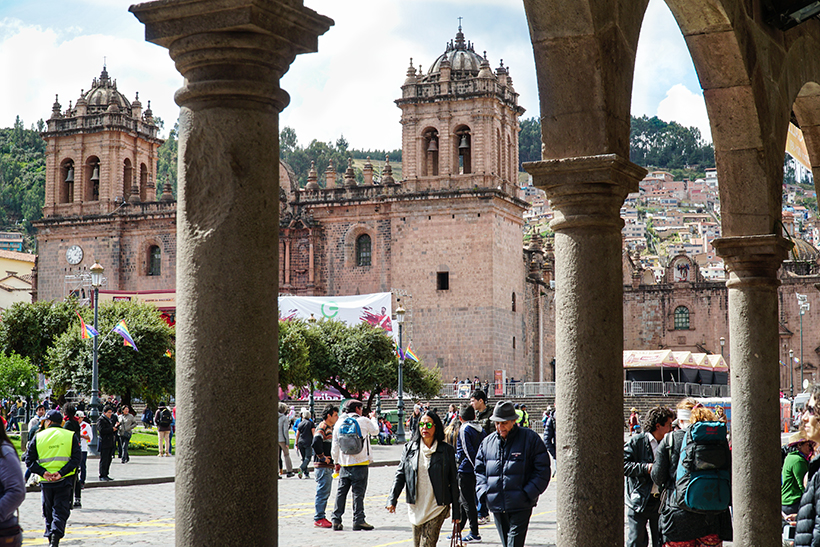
[
  {"x": 46, "y": 64},
  {"x": 686, "y": 108}
]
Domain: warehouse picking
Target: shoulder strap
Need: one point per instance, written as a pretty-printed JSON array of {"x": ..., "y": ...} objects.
[{"x": 463, "y": 435}]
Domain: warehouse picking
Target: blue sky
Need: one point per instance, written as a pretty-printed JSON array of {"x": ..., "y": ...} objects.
[{"x": 50, "y": 47}]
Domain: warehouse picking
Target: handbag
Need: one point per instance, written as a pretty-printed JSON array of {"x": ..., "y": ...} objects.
[{"x": 455, "y": 537}]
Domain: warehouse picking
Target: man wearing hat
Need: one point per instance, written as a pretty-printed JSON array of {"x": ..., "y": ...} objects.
[
  {"x": 512, "y": 468},
  {"x": 795, "y": 467},
  {"x": 54, "y": 454}
]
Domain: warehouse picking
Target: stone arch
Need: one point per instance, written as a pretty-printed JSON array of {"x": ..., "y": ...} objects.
[
  {"x": 65, "y": 181},
  {"x": 144, "y": 184},
  {"x": 462, "y": 155},
  {"x": 429, "y": 143},
  {"x": 91, "y": 177},
  {"x": 127, "y": 178},
  {"x": 352, "y": 238},
  {"x": 807, "y": 114}
]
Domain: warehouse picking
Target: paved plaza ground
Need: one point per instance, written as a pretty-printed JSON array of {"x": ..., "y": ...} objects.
[{"x": 142, "y": 514}]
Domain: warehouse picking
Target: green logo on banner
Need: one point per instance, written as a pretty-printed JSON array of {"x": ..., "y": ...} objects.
[{"x": 332, "y": 307}]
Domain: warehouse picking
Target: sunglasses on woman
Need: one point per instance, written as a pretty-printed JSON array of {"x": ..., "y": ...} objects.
[
  {"x": 811, "y": 410},
  {"x": 428, "y": 425}
]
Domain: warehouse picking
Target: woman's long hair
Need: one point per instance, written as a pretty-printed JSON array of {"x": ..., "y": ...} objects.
[{"x": 439, "y": 427}]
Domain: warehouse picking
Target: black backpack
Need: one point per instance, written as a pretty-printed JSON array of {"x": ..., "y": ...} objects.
[{"x": 165, "y": 418}]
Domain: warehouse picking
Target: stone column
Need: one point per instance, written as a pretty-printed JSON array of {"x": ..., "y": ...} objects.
[
  {"x": 753, "y": 262},
  {"x": 586, "y": 194},
  {"x": 232, "y": 54}
]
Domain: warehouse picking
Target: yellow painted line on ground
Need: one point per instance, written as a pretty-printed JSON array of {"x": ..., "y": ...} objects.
[
  {"x": 394, "y": 543},
  {"x": 118, "y": 529}
]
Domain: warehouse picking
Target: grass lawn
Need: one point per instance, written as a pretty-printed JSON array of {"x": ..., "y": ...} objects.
[{"x": 143, "y": 443}]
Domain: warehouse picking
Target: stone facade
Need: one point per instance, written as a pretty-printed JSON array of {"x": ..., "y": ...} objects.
[
  {"x": 447, "y": 237},
  {"x": 101, "y": 200}
]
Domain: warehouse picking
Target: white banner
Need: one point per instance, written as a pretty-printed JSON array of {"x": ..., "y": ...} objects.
[{"x": 375, "y": 309}]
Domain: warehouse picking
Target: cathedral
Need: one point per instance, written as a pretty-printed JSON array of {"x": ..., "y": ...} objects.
[
  {"x": 102, "y": 203},
  {"x": 447, "y": 239}
]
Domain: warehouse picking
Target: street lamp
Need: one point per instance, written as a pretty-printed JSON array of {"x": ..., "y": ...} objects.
[
  {"x": 400, "y": 404},
  {"x": 312, "y": 321},
  {"x": 722, "y": 343},
  {"x": 96, "y": 281},
  {"x": 791, "y": 373},
  {"x": 804, "y": 307}
]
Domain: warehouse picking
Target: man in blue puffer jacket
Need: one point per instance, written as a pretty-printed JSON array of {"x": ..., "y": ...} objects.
[{"x": 513, "y": 468}]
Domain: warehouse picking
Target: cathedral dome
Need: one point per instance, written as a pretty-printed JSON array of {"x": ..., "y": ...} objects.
[
  {"x": 103, "y": 93},
  {"x": 804, "y": 251},
  {"x": 461, "y": 55}
]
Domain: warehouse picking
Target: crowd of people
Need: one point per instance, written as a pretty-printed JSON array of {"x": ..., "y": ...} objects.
[
  {"x": 60, "y": 435},
  {"x": 458, "y": 465}
]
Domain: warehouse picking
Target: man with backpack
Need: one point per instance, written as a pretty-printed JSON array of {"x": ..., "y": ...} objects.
[
  {"x": 163, "y": 419},
  {"x": 351, "y": 452},
  {"x": 641, "y": 494},
  {"x": 470, "y": 435}
]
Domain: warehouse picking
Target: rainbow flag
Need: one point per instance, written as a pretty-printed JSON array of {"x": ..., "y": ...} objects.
[
  {"x": 399, "y": 352},
  {"x": 168, "y": 353},
  {"x": 86, "y": 331},
  {"x": 122, "y": 330},
  {"x": 409, "y": 353}
]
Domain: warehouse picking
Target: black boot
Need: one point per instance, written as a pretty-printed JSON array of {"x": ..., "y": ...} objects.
[{"x": 54, "y": 541}]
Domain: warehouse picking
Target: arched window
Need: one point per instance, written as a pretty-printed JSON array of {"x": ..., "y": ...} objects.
[
  {"x": 144, "y": 184},
  {"x": 430, "y": 153},
  {"x": 66, "y": 182},
  {"x": 463, "y": 143},
  {"x": 127, "y": 174},
  {"x": 681, "y": 318},
  {"x": 154, "y": 260},
  {"x": 92, "y": 173},
  {"x": 363, "y": 250}
]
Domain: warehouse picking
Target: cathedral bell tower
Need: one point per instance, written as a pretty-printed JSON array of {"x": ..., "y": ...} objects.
[{"x": 459, "y": 122}]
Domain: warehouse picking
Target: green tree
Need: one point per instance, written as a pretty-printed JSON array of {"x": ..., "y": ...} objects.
[
  {"x": 294, "y": 360},
  {"x": 18, "y": 377},
  {"x": 357, "y": 360},
  {"x": 29, "y": 330},
  {"x": 529, "y": 141},
  {"x": 147, "y": 373},
  {"x": 167, "y": 161}
]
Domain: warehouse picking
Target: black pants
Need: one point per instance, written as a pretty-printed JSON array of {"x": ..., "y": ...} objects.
[
  {"x": 57, "y": 506},
  {"x": 512, "y": 527},
  {"x": 466, "y": 498},
  {"x": 637, "y": 536},
  {"x": 106, "y": 455},
  {"x": 355, "y": 478},
  {"x": 124, "y": 441}
]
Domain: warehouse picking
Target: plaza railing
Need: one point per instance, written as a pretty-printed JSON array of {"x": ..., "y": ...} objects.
[{"x": 631, "y": 389}]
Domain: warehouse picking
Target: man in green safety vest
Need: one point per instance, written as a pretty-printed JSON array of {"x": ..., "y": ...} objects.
[{"x": 55, "y": 455}]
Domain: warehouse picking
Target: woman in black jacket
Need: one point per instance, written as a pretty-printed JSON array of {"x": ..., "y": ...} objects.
[
  {"x": 808, "y": 515},
  {"x": 428, "y": 470}
]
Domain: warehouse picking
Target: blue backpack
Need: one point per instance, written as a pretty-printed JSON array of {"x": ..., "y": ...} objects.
[
  {"x": 351, "y": 440},
  {"x": 703, "y": 477}
]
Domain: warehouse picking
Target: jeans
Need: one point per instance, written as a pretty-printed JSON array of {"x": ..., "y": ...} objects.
[
  {"x": 469, "y": 511},
  {"x": 355, "y": 478},
  {"x": 324, "y": 481},
  {"x": 512, "y": 527},
  {"x": 124, "y": 441},
  {"x": 307, "y": 454},
  {"x": 57, "y": 506}
]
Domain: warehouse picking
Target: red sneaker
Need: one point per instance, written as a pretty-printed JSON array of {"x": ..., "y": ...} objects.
[{"x": 322, "y": 523}]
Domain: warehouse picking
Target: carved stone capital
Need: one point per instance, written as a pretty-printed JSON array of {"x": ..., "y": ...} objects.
[
  {"x": 232, "y": 53},
  {"x": 586, "y": 191},
  {"x": 753, "y": 261}
]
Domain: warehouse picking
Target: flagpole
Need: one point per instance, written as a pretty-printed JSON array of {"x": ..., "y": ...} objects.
[{"x": 94, "y": 410}]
